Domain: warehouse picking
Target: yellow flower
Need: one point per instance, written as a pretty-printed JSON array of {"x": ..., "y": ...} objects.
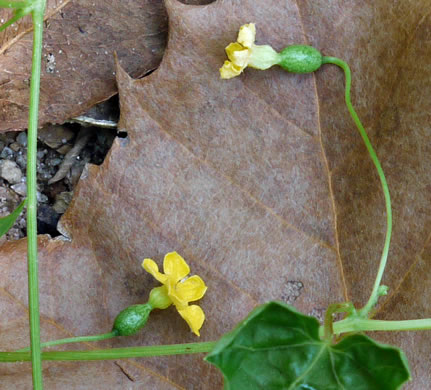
[
  {"x": 245, "y": 53},
  {"x": 177, "y": 289}
]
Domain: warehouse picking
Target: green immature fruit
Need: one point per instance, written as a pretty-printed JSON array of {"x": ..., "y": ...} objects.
[
  {"x": 300, "y": 59},
  {"x": 132, "y": 319}
]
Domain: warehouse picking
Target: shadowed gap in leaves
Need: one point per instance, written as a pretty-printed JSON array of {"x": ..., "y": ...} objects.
[{"x": 63, "y": 152}]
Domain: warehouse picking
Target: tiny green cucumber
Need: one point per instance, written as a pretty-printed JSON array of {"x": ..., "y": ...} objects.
[
  {"x": 300, "y": 59},
  {"x": 131, "y": 319}
]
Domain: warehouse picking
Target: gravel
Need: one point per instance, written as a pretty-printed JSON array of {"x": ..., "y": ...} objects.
[{"x": 53, "y": 144}]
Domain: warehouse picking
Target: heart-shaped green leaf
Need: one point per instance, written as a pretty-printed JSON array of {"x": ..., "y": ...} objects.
[
  {"x": 276, "y": 347},
  {"x": 7, "y": 222}
]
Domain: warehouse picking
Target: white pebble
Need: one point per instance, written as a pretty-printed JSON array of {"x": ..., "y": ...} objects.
[{"x": 10, "y": 171}]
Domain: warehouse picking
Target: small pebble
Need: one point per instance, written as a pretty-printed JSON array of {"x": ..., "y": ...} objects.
[
  {"x": 62, "y": 201},
  {"x": 45, "y": 176},
  {"x": 55, "y": 135},
  {"x": 15, "y": 146},
  {"x": 13, "y": 234},
  {"x": 10, "y": 137},
  {"x": 6, "y": 153},
  {"x": 3, "y": 193},
  {"x": 64, "y": 149},
  {"x": 21, "y": 160},
  {"x": 8, "y": 200},
  {"x": 10, "y": 171},
  {"x": 22, "y": 138},
  {"x": 20, "y": 188},
  {"x": 55, "y": 161},
  {"x": 41, "y": 198}
]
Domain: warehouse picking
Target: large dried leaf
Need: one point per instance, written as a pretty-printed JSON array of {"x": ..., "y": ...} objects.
[
  {"x": 261, "y": 183},
  {"x": 80, "y": 39}
]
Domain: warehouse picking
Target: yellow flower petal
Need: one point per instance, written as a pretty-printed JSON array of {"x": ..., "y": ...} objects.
[
  {"x": 191, "y": 289},
  {"x": 244, "y": 53},
  {"x": 194, "y": 316},
  {"x": 175, "y": 291},
  {"x": 247, "y": 35},
  {"x": 229, "y": 70},
  {"x": 241, "y": 57},
  {"x": 232, "y": 48},
  {"x": 175, "y": 267},
  {"x": 151, "y": 267},
  {"x": 178, "y": 301},
  {"x": 263, "y": 57}
]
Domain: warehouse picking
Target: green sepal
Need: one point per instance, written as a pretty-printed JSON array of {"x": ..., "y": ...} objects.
[
  {"x": 132, "y": 319},
  {"x": 300, "y": 59},
  {"x": 7, "y": 222},
  {"x": 159, "y": 298},
  {"x": 276, "y": 347}
]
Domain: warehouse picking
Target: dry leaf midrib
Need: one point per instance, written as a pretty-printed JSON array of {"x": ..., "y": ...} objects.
[
  {"x": 333, "y": 204},
  {"x": 328, "y": 172}
]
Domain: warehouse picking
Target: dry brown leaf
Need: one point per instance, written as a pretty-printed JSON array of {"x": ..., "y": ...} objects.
[
  {"x": 261, "y": 183},
  {"x": 78, "y": 71}
]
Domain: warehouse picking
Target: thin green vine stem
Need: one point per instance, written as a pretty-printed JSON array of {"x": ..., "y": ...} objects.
[
  {"x": 364, "y": 312},
  {"x": 32, "y": 260},
  {"x": 355, "y": 324},
  {"x": 79, "y": 339},
  {"x": 114, "y": 353}
]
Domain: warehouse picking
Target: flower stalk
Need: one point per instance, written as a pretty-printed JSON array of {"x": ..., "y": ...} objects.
[{"x": 377, "y": 288}]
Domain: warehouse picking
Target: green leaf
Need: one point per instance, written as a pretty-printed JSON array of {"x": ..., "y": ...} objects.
[
  {"x": 7, "y": 222},
  {"x": 276, "y": 347}
]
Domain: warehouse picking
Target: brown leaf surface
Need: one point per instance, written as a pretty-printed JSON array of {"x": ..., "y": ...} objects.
[
  {"x": 78, "y": 70},
  {"x": 260, "y": 182}
]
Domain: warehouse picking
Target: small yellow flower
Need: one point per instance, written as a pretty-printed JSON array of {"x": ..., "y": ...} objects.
[
  {"x": 177, "y": 289},
  {"x": 244, "y": 52}
]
